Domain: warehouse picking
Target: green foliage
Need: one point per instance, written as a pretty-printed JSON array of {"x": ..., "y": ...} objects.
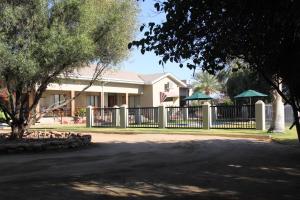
[
  {"x": 243, "y": 80},
  {"x": 42, "y": 39},
  {"x": 37, "y": 40},
  {"x": 2, "y": 116},
  {"x": 209, "y": 34},
  {"x": 206, "y": 83},
  {"x": 81, "y": 112},
  {"x": 226, "y": 102}
]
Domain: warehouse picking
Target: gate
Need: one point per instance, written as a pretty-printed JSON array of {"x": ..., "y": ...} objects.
[
  {"x": 106, "y": 117},
  {"x": 231, "y": 117},
  {"x": 184, "y": 117},
  {"x": 143, "y": 117}
]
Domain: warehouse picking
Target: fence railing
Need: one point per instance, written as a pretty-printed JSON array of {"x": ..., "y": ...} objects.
[
  {"x": 106, "y": 117},
  {"x": 143, "y": 117},
  {"x": 60, "y": 112},
  {"x": 184, "y": 117},
  {"x": 233, "y": 117},
  {"x": 205, "y": 116}
]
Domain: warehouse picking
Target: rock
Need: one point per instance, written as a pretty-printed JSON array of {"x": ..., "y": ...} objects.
[{"x": 51, "y": 140}]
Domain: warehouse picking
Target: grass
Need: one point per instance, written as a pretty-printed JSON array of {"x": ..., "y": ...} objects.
[
  {"x": 289, "y": 137},
  {"x": 222, "y": 132}
]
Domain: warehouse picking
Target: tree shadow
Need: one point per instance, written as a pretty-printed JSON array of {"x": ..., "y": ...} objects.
[{"x": 207, "y": 169}]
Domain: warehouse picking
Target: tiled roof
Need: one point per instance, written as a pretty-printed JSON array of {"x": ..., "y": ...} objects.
[
  {"x": 149, "y": 78},
  {"x": 120, "y": 76}
]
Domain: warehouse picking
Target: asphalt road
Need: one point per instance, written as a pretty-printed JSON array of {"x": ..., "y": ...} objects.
[{"x": 155, "y": 167}]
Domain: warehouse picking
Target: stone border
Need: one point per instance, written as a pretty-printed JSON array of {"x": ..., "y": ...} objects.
[{"x": 38, "y": 145}]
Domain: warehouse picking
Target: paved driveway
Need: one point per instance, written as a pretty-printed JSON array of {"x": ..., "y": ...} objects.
[{"x": 155, "y": 167}]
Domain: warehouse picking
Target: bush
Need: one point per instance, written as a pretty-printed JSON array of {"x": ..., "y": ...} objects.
[
  {"x": 2, "y": 116},
  {"x": 81, "y": 112}
]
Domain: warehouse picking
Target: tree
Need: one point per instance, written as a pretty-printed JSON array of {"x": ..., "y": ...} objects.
[
  {"x": 206, "y": 82},
  {"x": 245, "y": 79},
  {"x": 277, "y": 123},
  {"x": 208, "y": 34},
  {"x": 40, "y": 40}
]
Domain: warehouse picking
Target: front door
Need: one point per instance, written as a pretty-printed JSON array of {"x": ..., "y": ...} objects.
[{"x": 112, "y": 100}]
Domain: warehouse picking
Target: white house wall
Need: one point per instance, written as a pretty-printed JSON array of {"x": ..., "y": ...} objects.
[
  {"x": 73, "y": 85},
  {"x": 147, "y": 96},
  {"x": 160, "y": 87}
]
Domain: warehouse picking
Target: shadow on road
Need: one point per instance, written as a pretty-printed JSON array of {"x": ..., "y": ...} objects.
[{"x": 207, "y": 169}]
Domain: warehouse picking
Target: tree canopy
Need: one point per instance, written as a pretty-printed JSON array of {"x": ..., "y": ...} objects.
[
  {"x": 206, "y": 83},
  {"x": 208, "y": 34},
  {"x": 41, "y": 39}
]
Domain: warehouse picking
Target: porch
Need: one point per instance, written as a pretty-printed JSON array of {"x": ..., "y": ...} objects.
[{"x": 77, "y": 107}]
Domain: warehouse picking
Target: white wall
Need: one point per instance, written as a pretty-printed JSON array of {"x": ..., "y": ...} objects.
[
  {"x": 77, "y": 85},
  {"x": 160, "y": 87}
]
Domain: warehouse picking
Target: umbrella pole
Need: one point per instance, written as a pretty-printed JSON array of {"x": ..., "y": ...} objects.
[{"x": 250, "y": 108}]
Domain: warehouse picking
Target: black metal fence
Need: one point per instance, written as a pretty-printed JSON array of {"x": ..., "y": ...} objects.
[
  {"x": 223, "y": 117},
  {"x": 184, "y": 117},
  {"x": 106, "y": 117},
  {"x": 288, "y": 115},
  {"x": 241, "y": 117},
  {"x": 143, "y": 117}
]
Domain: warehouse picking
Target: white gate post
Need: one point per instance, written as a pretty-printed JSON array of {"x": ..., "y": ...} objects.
[
  {"x": 123, "y": 116},
  {"x": 162, "y": 117},
  {"x": 206, "y": 115},
  {"x": 89, "y": 116},
  {"x": 116, "y": 116},
  {"x": 260, "y": 115}
]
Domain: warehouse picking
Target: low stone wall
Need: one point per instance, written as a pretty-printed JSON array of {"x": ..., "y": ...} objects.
[{"x": 37, "y": 144}]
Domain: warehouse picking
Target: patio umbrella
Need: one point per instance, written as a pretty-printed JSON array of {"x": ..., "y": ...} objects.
[
  {"x": 249, "y": 94},
  {"x": 198, "y": 96}
]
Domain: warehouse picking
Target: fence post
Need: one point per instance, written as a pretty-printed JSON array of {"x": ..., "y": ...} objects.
[
  {"x": 214, "y": 113},
  {"x": 206, "y": 115},
  {"x": 123, "y": 116},
  {"x": 260, "y": 115},
  {"x": 116, "y": 116},
  {"x": 89, "y": 116},
  {"x": 162, "y": 117},
  {"x": 185, "y": 113},
  {"x": 138, "y": 116}
]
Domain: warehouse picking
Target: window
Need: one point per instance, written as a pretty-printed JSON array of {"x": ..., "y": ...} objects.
[
  {"x": 167, "y": 87},
  {"x": 92, "y": 100},
  {"x": 58, "y": 99},
  {"x": 134, "y": 101}
]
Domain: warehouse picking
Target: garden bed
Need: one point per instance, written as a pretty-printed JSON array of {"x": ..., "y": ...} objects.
[{"x": 37, "y": 141}]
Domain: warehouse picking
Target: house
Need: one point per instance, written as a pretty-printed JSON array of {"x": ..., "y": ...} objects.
[
  {"x": 115, "y": 88},
  {"x": 185, "y": 91}
]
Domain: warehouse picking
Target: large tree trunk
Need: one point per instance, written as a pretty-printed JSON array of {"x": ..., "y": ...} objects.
[
  {"x": 17, "y": 130},
  {"x": 277, "y": 124},
  {"x": 296, "y": 117}
]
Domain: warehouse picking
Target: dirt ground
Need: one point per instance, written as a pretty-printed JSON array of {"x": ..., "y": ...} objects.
[{"x": 155, "y": 167}]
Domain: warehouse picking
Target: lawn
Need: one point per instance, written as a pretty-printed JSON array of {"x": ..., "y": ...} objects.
[{"x": 289, "y": 137}]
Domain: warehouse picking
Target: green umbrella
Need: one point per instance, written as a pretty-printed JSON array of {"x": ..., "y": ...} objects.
[
  {"x": 198, "y": 96},
  {"x": 249, "y": 94}
]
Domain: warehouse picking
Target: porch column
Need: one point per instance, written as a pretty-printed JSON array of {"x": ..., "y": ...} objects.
[
  {"x": 102, "y": 104},
  {"x": 101, "y": 99},
  {"x": 126, "y": 99},
  {"x": 72, "y": 103}
]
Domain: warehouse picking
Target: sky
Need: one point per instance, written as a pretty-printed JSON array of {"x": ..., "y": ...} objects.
[{"x": 148, "y": 63}]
